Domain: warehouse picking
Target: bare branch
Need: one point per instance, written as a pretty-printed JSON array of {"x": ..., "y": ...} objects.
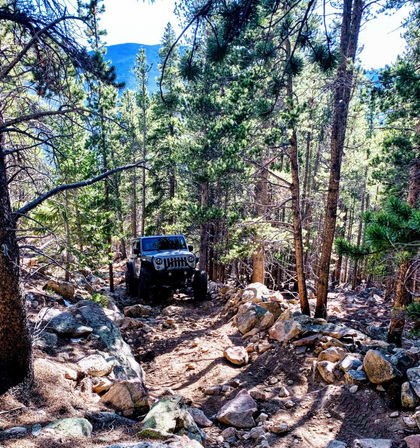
[{"x": 31, "y": 205}]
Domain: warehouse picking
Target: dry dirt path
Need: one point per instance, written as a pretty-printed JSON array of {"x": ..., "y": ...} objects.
[{"x": 181, "y": 351}]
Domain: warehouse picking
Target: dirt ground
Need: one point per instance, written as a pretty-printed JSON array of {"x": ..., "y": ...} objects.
[{"x": 181, "y": 351}]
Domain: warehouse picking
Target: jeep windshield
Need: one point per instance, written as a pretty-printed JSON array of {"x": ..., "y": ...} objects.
[{"x": 163, "y": 243}]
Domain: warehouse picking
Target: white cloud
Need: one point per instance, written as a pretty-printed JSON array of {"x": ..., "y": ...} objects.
[{"x": 137, "y": 21}]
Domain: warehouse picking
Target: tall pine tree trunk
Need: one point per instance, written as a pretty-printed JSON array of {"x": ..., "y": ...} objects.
[
  {"x": 15, "y": 347},
  {"x": 258, "y": 258},
  {"x": 352, "y": 15},
  {"x": 402, "y": 296},
  {"x": 296, "y": 212},
  {"x": 202, "y": 264}
]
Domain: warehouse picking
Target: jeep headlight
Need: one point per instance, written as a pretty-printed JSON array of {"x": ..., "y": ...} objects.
[
  {"x": 158, "y": 261},
  {"x": 191, "y": 258}
]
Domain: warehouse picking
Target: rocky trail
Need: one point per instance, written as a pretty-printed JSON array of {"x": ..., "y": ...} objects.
[{"x": 243, "y": 369}]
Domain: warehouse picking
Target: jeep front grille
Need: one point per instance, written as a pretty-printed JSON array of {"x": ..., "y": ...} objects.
[{"x": 175, "y": 263}]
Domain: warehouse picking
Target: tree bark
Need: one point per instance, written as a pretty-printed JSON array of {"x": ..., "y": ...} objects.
[
  {"x": 15, "y": 347},
  {"x": 338, "y": 266},
  {"x": 258, "y": 258},
  {"x": 204, "y": 229},
  {"x": 296, "y": 211},
  {"x": 352, "y": 14}
]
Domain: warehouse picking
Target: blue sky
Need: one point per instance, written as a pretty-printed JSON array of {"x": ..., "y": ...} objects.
[{"x": 143, "y": 22}]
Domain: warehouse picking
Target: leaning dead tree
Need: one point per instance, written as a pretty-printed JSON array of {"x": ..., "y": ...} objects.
[{"x": 38, "y": 49}]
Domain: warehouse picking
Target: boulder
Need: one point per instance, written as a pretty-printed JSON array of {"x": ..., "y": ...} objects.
[
  {"x": 256, "y": 291},
  {"x": 170, "y": 416},
  {"x": 326, "y": 370},
  {"x": 236, "y": 355},
  {"x": 378, "y": 367},
  {"x": 285, "y": 330},
  {"x": 239, "y": 411},
  {"x": 64, "y": 289},
  {"x": 67, "y": 325},
  {"x": 251, "y": 315},
  {"x": 126, "y": 367},
  {"x": 71, "y": 427},
  {"x": 373, "y": 443},
  {"x": 332, "y": 354},
  {"x": 127, "y": 397},
  {"x": 138, "y": 310},
  {"x": 408, "y": 397},
  {"x": 96, "y": 365},
  {"x": 413, "y": 376}
]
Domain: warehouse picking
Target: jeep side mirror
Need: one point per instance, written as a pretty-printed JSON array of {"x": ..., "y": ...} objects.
[
  {"x": 190, "y": 247},
  {"x": 136, "y": 250}
]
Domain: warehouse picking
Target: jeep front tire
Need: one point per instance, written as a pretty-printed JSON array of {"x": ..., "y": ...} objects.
[
  {"x": 130, "y": 279},
  {"x": 145, "y": 283},
  {"x": 200, "y": 285}
]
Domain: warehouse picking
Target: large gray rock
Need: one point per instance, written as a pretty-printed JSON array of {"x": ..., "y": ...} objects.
[
  {"x": 373, "y": 443},
  {"x": 70, "y": 427},
  {"x": 378, "y": 367},
  {"x": 65, "y": 323},
  {"x": 126, "y": 368},
  {"x": 413, "y": 376},
  {"x": 170, "y": 416},
  {"x": 200, "y": 417},
  {"x": 285, "y": 330},
  {"x": 239, "y": 411}
]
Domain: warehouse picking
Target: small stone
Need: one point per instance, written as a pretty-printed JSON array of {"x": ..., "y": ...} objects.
[
  {"x": 373, "y": 443},
  {"x": 257, "y": 394},
  {"x": 326, "y": 370},
  {"x": 353, "y": 389},
  {"x": 236, "y": 355},
  {"x": 408, "y": 397},
  {"x": 273, "y": 380},
  {"x": 355, "y": 377},
  {"x": 229, "y": 433},
  {"x": 409, "y": 422},
  {"x": 17, "y": 431},
  {"x": 257, "y": 433},
  {"x": 262, "y": 417},
  {"x": 239, "y": 411},
  {"x": 290, "y": 382},
  {"x": 279, "y": 428},
  {"x": 212, "y": 390},
  {"x": 332, "y": 354},
  {"x": 283, "y": 392},
  {"x": 289, "y": 404},
  {"x": 96, "y": 365},
  {"x": 394, "y": 414},
  {"x": 380, "y": 388},
  {"x": 200, "y": 418}
]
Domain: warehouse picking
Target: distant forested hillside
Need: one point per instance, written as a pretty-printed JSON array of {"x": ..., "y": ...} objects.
[{"x": 123, "y": 57}]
